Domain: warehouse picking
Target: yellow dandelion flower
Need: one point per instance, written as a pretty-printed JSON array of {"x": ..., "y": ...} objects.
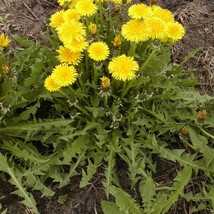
[
  {"x": 73, "y": 3},
  {"x": 156, "y": 27},
  {"x": 62, "y": 2},
  {"x": 71, "y": 30},
  {"x": 105, "y": 83},
  {"x": 64, "y": 75},
  {"x": 76, "y": 45},
  {"x": 50, "y": 84},
  {"x": 139, "y": 11},
  {"x": 175, "y": 31},
  {"x": 123, "y": 67},
  {"x": 66, "y": 55},
  {"x": 117, "y": 41},
  {"x": 70, "y": 14},
  {"x": 120, "y": 1},
  {"x": 4, "y": 41},
  {"x": 98, "y": 51},
  {"x": 57, "y": 19},
  {"x": 135, "y": 31},
  {"x": 163, "y": 14},
  {"x": 86, "y": 8},
  {"x": 92, "y": 28}
]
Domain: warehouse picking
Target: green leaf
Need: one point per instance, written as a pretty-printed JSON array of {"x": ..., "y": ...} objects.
[
  {"x": 183, "y": 159},
  {"x": 3, "y": 211},
  {"x": 37, "y": 184},
  {"x": 190, "y": 55},
  {"x": 22, "y": 41},
  {"x": 124, "y": 201},
  {"x": 109, "y": 171},
  {"x": 198, "y": 141},
  {"x": 91, "y": 170},
  {"x": 181, "y": 180},
  {"x": 72, "y": 170},
  {"x": 147, "y": 190},
  {"x": 16, "y": 179},
  {"x": 29, "y": 128},
  {"x": 24, "y": 151},
  {"x": 110, "y": 208}
]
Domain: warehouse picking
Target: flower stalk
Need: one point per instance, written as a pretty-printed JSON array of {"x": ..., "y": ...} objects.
[{"x": 205, "y": 132}]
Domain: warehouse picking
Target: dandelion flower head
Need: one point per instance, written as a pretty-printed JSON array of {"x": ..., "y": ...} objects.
[
  {"x": 4, "y": 41},
  {"x": 64, "y": 75},
  {"x": 50, "y": 84},
  {"x": 86, "y": 7},
  {"x": 98, "y": 51},
  {"x": 135, "y": 31},
  {"x": 139, "y": 11},
  {"x": 73, "y": 3},
  {"x": 175, "y": 31},
  {"x": 163, "y": 14},
  {"x": 66, "y": 55},
  {"x": 156, "y": 27},
  {"x": 76, "y": 45},
  {"x": 120, "y": 1},
  {"x": 70, "y": 14},
  {"x": 62, "y": 2},
  {"x": 71, "y": 30},
  {"x": 123, "y": 67}
]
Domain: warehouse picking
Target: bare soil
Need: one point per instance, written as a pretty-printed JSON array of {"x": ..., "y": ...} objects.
[{"x": 28, "y": 17}]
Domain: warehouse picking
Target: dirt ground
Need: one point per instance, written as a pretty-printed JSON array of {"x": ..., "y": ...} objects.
[{"x": 28, "y": 17}]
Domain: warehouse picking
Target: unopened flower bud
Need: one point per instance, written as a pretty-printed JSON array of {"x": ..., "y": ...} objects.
[
  {"x": 92, "y": 28},
  {"x": 5, "y": 68},
  {"x": 185, "y": 130},
  {"x": 117, "y": 8},
  {"x": 201, "y": 115},
  {"x": 117, "y": 41},
  {"x": 105, "y": 83}
]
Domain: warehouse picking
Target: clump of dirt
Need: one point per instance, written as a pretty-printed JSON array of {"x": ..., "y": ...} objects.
[{"x": 26, "y": 17}]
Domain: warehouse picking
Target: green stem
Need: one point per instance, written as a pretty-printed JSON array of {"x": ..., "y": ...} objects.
[
  {"x": 147, "y": 60},
  {"x": 101, "y": 16},
  {"x": 125, "y": 89},
  {"x": 205, "y": 132},
  {"x": 97, "y": 19},
  {"x": 64, "y": 94},
  {"x": 105, "y": 101},
  {"x": 82, "y": 110},
  {"x": 78, "y": 96},
  {"x": 188, "y": 144},
  {"x": 143, "y": 172},
  {"x": 86, "y": 64},
  {"x": 95, "y": 78},
  {"x": 87, "y": 21},
  {"x": 132, "y": 49}
]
